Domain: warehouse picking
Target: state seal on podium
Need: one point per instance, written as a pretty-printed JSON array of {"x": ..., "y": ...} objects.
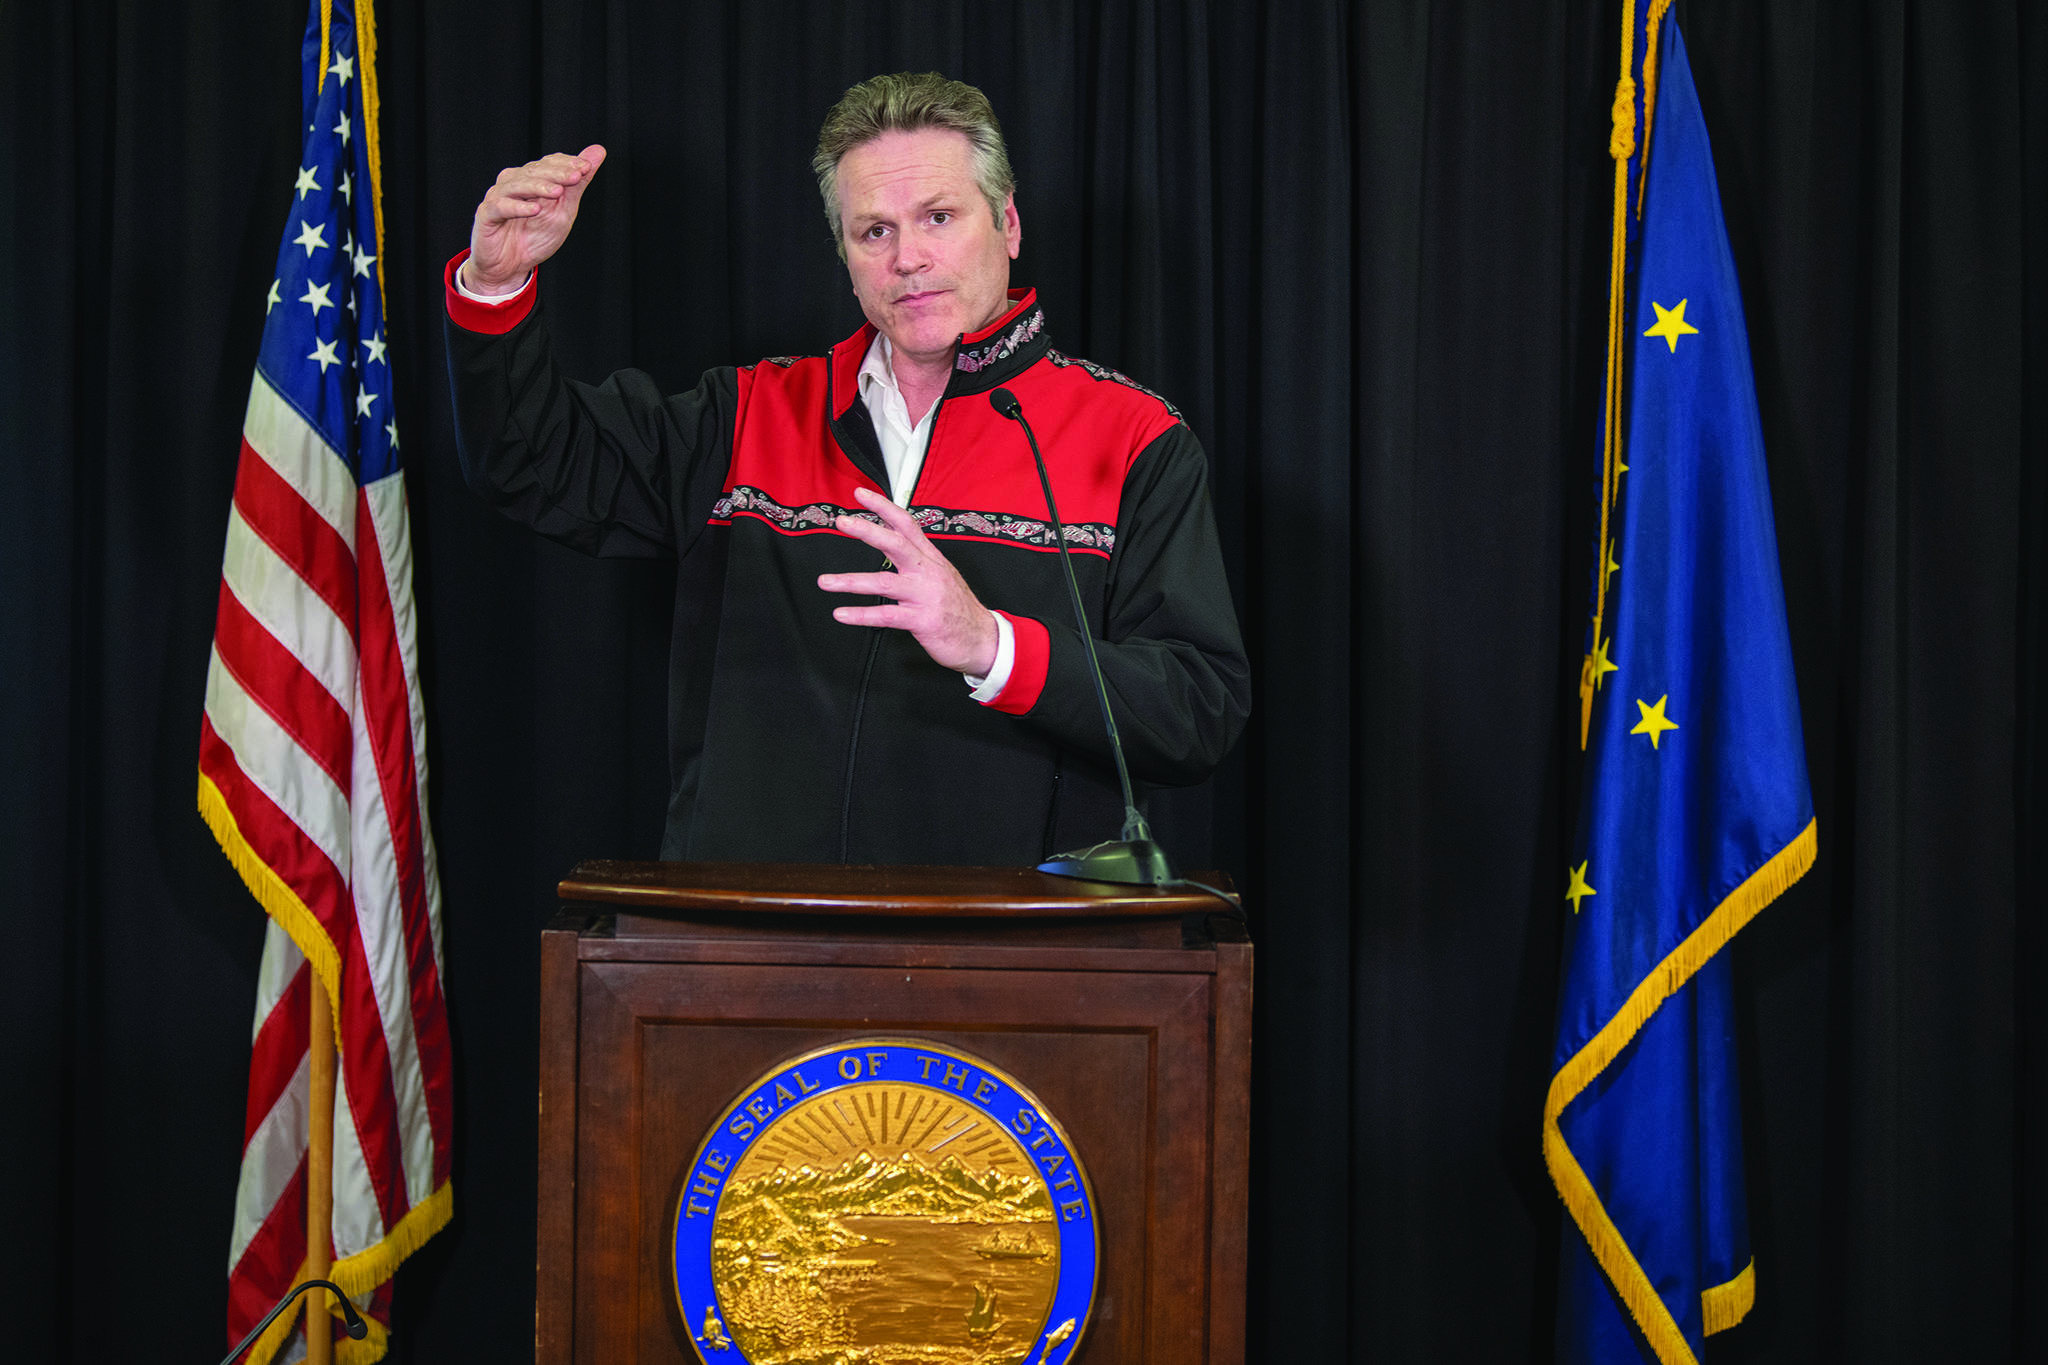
[{"x": 886, "y": 1201}]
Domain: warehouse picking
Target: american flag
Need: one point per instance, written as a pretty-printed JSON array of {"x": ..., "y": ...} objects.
[{"x": 312, "y": 767}]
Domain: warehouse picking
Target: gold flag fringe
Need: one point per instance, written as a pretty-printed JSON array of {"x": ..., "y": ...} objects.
[
  {"x": 1609, "y": 1247},
  {"x": 278, "y": 900},
  {"x": 1727, "y": 1304},
  {"x": 361, "y": 1273}
]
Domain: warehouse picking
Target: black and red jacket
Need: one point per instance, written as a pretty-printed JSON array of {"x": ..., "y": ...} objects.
[{"x": 794, "y": 738}]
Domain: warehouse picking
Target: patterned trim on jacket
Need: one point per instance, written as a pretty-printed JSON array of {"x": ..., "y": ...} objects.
[
  {"x": 1103, "y": 372},
  {"x": 974, "y": 359},
  {"x": 934, "y": 521}
]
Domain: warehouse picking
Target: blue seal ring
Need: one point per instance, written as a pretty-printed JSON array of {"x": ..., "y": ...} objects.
[{"x": 916, "y": 1064}]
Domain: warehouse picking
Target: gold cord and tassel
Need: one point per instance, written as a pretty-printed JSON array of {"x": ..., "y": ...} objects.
[
  {"x": 366, "y": 71},
  {"x": 1621, "y": 145}
]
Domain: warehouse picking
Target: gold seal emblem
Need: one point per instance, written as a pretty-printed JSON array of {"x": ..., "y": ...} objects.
[{"x": 884, "y": 1202}]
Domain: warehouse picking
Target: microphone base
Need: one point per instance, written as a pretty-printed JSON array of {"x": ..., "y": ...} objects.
[{"x": 1132, "y": 862}]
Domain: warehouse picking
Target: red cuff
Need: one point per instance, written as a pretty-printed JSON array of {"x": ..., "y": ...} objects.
[
  {"x": 495, "y": 319},
  {"x": 1027, "y": 669}
]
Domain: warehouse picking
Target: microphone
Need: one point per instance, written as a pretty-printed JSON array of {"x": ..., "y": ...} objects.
[
  {"x": 1133, "y": 857},
  {"x": 353, "y": 1321}
]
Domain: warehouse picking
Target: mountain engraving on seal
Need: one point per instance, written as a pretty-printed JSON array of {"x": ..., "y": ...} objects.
[{"x": 885, "y": 1224}]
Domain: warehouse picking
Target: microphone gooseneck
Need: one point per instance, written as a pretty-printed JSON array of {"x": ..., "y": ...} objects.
[
  {"x": 352, "y": 1321},
  {"x": 1134, "y": 857}
]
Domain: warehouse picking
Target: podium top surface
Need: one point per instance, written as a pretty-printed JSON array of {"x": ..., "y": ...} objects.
[{"x": 832, "y": 889}]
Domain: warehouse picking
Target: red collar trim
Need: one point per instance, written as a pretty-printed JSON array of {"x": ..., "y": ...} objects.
[{"x": 1020, "y": 300}]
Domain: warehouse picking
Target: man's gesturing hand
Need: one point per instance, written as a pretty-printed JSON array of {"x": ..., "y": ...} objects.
[
  {"x": 932, "y": 600},
  {"x": 525, "y": 217}
]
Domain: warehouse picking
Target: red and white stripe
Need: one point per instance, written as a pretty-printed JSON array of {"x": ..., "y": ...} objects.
[{"x": 314, "y": 739}]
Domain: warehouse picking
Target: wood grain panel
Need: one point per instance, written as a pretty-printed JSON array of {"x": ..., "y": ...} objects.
[
  {"x": 555, "y": 1240},
  {"x": 1231, "y": 1174}
]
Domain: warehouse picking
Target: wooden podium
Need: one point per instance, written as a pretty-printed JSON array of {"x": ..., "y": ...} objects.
[{"x": 668, "y": 988}]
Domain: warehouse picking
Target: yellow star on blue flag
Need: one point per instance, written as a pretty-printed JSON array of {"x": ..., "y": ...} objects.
[
  {"x": 1579, "y": 888},
  {"x": 1671, "y": 324},
  {"x": 1654, "y": 722}
]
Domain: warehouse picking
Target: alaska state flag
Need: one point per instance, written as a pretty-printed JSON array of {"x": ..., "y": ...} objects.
[{"x": 1697, "y": 811}]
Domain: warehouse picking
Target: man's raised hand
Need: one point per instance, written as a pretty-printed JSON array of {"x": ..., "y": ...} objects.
[
  {"x": 931, "y": 600},
  {"x": 525, "y": 218}
]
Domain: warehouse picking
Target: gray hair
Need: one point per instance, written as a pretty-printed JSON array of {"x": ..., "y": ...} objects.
[{"x": 907, "y": 102}]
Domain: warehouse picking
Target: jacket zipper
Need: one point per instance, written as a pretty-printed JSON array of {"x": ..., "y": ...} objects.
[
  {"x": 860, "y": 697},
  {"x": 860, "y": 702}
]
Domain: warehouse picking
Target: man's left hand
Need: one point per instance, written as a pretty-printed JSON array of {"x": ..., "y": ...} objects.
[{"x": 932, "y": 601}]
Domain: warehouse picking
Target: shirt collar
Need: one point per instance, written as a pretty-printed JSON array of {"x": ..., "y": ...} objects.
[{"x": 875, "y": 369}]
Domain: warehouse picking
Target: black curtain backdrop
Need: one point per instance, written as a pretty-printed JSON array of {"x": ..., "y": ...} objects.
[{"x": 1364, "y": 247}]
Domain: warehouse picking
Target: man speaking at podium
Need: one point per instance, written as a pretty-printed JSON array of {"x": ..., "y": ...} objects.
[{"x": 873, "y": 658}]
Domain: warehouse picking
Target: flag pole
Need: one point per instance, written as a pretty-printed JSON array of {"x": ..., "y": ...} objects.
[
  {"x": 320, "y": 1178},
  {"x": 320, "y": 1075}
]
